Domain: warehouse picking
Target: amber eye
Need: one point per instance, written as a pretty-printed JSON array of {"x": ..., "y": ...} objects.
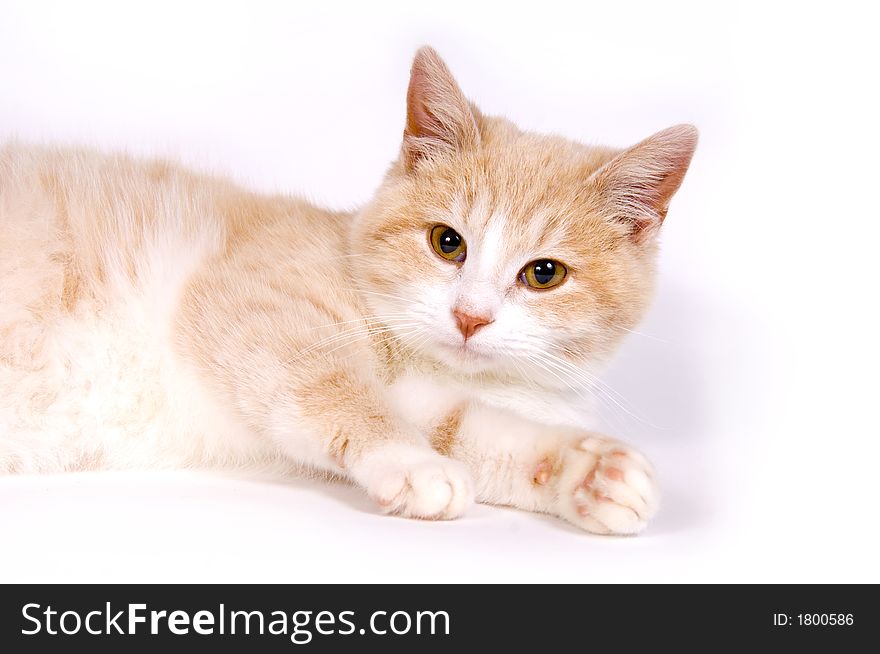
[
  {"x": 543, "y": 273},
  {"x": 448, "y": 243}
]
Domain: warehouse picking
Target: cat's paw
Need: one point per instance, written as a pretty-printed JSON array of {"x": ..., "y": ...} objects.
[
  {"x": 606, "y": 487},
  {"x": 423, "y": 485}
]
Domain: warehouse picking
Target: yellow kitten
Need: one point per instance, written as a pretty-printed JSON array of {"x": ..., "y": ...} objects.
[{"x": 431, "y": 347}]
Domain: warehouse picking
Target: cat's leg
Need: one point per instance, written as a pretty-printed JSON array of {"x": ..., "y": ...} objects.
[
  {"x": 338, "y": 421},
  {"x": 594, "y": 482},
  {"x": 312, "y": 394}
]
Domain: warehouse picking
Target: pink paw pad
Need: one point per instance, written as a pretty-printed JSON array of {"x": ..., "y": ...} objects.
[
  {"x": 542, "y": 472},
  {"x": 615, "y": 491}
]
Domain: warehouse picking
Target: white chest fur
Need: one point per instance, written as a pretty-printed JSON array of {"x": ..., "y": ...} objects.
[{"x": 424, "y": 400}]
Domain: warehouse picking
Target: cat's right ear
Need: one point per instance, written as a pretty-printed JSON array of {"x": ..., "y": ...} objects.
[
  {"x": 439, "y": 119},
  {"x": 639, "y": 182}
]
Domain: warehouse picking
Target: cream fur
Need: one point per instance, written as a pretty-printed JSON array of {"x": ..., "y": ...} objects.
[{"x": 153, "y": 317}]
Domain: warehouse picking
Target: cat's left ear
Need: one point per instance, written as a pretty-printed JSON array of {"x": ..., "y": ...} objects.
[
  {"x": 638, "y": 183},
  {"x": 439, "y": 119}
]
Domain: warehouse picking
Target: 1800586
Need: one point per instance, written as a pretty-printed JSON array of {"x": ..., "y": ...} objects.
[{"x": 824, "y": 619}]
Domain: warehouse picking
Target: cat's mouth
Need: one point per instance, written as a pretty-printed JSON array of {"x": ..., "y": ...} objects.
[{"x": 466, "y": 354}]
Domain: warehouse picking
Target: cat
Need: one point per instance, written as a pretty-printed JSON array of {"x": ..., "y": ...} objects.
[{"x": 433, "y": 347}]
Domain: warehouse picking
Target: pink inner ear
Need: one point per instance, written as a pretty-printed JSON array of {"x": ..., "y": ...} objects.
[
  {"x": 420, "y": 122},
  {"x": 678, "y": 162},
  {"x": 438, "y": 115},
  {"x": 641, "y": 181}
]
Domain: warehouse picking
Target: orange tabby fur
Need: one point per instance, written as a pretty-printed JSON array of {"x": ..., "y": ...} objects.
[{"x": 151, "y": 316}]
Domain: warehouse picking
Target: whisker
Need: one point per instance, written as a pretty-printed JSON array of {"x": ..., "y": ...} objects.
[
  {"x": 351, "y": 335},
  {"x": 390, "y": 335},
  {"x": 364, "y": 319},
  {"x": 594, "y": 379},
  {"x": 351, "y": 255},
  {"x": 638, "y": 333},
  {"x": 579, "y": 386},
  {"x": 385, "y": 295},
  {"x": 602, "y": 388}
]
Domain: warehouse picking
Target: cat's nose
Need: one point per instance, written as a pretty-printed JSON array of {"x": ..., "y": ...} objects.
[{"x": 469, "y": 324}]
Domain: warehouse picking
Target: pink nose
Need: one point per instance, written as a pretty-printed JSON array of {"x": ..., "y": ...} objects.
[{"x": 468, "y": 324}]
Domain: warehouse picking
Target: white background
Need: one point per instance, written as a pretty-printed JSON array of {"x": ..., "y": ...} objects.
[{"x": 752, "y": 385}]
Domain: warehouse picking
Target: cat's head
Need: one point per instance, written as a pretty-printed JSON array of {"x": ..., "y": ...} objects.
[{"x": 492, "y": 249}]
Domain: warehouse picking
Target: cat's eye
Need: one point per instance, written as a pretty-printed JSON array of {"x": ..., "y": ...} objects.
[
  {"x": 543, "y": 274},
  {"x": 448, "y": 243}
]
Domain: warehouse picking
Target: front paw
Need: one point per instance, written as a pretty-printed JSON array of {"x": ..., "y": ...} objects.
[
  {"x": 606, "y": 487},
  {"x": 421, "y": 485}
]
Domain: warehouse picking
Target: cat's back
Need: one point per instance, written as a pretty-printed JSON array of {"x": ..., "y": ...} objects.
[
  {"x": 83, "y": 234},
  {"x": 95, "y": 250},
  {"x": 104, "y": 212}
]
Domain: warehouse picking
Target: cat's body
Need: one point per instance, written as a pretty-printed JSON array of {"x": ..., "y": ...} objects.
[{"x": 152, "y": 317}]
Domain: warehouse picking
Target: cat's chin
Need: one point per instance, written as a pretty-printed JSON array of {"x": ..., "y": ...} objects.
[{"x": 465, "y": 358}]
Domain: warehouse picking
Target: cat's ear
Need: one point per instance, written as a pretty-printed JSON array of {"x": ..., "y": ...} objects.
[
  {"x": 638, "y": 183},
  {"x": 439, "y": 118}
]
